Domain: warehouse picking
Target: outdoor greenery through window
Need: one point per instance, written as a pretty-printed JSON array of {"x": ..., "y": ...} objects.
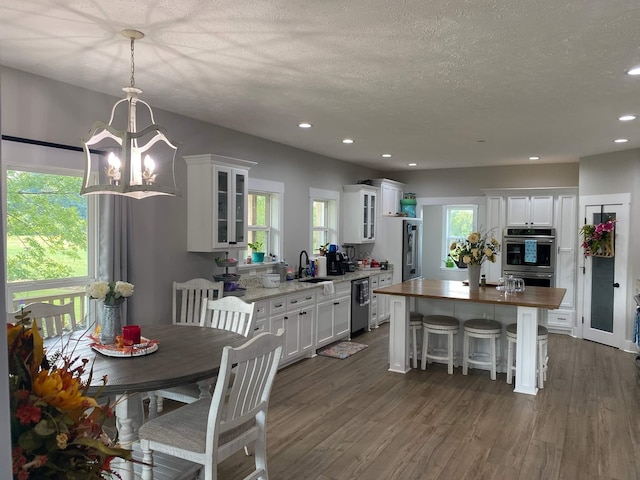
[
  {"x": 459, "y": 222},
  {"x": 47, "y": 238},
  {"x": 260, "y": 220}
]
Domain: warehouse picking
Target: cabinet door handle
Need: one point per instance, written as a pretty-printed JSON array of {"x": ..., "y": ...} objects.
[
  {"x": 336, "y": 303},
  {"x": 278, "y": 305},
  {"x": 308, "y": 298},
  {"x": 286, "y": 318},
  {"x": 617, "y": 285},
  {"x": 294, "y": 301}
]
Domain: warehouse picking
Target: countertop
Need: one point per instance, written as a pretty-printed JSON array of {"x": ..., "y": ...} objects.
[
  {"x": 538, "y": 297},
  {"x": 257, "y": 293}
]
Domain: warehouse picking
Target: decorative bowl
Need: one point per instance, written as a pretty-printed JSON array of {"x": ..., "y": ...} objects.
[{"x": 270, "y": 280}]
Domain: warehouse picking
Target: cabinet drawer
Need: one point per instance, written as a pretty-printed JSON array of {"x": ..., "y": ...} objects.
[
  {"x": 343, "y": 288},
  {"x": 561, "y": 319},
  {"x": 300, "y": 300},
  {"x": 277, "y": 305},
  {"x": 261, "y": 310},
  {"x": 374, "y": 281},
  {"x": 260, "y": 326},
  {"x": 385, "y": 280}
]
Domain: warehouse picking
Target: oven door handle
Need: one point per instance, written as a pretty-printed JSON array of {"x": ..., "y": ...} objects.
[{"x": 520, "y": 240}]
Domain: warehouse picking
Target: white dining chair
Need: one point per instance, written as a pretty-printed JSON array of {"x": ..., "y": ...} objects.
[
  {"x": 52, "y": 320},
  {"x": 188, "y": 297},
  {"x": 227, "y": 313},
  {"x": 235, "y": 417}
]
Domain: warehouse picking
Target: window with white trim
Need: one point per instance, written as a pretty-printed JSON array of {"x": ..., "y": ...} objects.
[
  {"x": 49, "y": 227},
  {"x": 459, "y": 222},
  {"x": 324, "y": 218},
  {"x": 265, "y": 216}
]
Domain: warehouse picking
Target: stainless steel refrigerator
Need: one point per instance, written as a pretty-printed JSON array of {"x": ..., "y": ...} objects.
[{"x": 399, "y": 240}]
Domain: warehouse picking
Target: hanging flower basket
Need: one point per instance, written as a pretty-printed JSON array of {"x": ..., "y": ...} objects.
[{"x": 598, "y": 239}]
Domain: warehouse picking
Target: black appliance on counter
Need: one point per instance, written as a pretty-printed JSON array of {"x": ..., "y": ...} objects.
[{"x": 335, "y": 261}]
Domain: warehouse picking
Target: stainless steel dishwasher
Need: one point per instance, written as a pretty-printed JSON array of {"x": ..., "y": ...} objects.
[{"x": 359, "y": 305}]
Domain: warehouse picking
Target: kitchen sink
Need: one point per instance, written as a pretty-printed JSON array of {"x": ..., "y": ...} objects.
[{"x": 313, "y": 280}]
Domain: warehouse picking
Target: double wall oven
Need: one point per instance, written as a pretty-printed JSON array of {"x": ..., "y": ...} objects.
[{"x": 530, "y": 253}]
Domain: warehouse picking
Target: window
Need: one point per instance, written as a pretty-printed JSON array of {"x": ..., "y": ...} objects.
[
  {"x": 324, "y": 218},
  {"x": 459, "y": 222},
  {"x": 265, "y": 215},
  {"x": 49, "y": 230}
]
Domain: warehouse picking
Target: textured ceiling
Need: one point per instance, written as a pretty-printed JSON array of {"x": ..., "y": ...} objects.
[{"x": 443, "y": 83}]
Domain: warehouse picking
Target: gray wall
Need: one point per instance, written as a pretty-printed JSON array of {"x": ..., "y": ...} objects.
[{"x": 42, "y": 109}]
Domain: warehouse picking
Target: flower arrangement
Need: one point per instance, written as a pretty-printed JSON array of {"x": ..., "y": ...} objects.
[
  {"x": 598, "y": 239},
  {"x": 112, "y": 293},
  {"x": 56, "y": 428},
  {"x": 477, "y": 248}
]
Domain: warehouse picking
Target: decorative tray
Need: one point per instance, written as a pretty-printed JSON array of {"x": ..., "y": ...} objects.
[{"x": 145, "y": 347}]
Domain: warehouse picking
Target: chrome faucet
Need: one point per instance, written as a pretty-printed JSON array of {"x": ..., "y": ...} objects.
[{"x": 300, "y": 269}]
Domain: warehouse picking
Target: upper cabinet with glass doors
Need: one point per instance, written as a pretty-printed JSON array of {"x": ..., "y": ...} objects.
[
  {"x": 359, "y": 213},
  {"x": 217, "y": 189}
]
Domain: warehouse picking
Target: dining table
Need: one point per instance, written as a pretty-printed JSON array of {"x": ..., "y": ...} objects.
[
  {"x": 178, "y": 355},
  {"x": 530, "y": 306}
]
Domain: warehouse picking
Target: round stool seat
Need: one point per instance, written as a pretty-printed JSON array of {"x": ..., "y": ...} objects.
[
  {"x": 440, "y": 322},
  {"x": 482, "y": 326},
  {"x": 512, "y": 331},
  {"x": 415, "y": 319}
]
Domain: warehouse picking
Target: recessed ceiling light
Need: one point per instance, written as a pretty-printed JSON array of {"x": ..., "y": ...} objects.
[
  {"x": 534, "y": 158},
  {"x": 626, "y": 118},
  {"x": 621, "y": 140},
  {"x": 386, "y": 155},
  {"x": 634, "y": 71},
  {"x": 347, "y": 140},
  {"x": 305, "y": 125},
  {"x": 412, "y": 164}
]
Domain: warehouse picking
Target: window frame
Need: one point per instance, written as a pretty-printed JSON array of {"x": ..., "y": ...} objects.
[
  {"x": 32, "y": 159},
  {"x": 332, "y": 199},
  {"x": 446, "y": 215},
  {"x": 275, "y": 191}
]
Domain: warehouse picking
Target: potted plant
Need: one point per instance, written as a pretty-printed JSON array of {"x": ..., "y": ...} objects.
[{"x": 257, "y": 255}]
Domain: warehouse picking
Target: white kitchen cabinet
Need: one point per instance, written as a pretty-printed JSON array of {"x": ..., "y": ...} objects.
[
  {"x": 333, "y": 314},
  {"x": 374, "y": 282},
  {"x": 384, "y": 301},
  {"x": 391, "y": 192},
  {"x": 217, "y": 189},
  {"x": 260, "y": 314},
  {"x": 534, "y": 210},
  {"x": 359, "y": 213},
  {"x": 296, "y": 314}
]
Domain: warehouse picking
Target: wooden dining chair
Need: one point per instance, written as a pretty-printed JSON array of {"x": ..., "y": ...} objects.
[
  {"x": 53, "y": 320},
  {"x": 236, "y": 415},
  {"x": 227, "y": 313},
  {"x": 188, "y": 297}
]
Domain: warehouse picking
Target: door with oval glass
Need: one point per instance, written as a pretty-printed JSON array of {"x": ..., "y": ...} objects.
[{"x": 604, "y": 286}]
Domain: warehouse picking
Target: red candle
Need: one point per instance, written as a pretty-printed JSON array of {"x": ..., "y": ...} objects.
[{"x": 131, "y": 334}]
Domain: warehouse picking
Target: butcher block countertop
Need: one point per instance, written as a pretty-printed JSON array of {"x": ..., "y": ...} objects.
[{"x": 537, "y": 297}]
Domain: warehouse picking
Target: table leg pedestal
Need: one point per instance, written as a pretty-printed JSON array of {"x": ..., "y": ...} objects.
[
  {"x": 399, "y": 334},
  {"x": 526, "y": 350}
]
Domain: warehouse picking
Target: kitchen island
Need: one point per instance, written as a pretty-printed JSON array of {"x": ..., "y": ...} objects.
[{"x": 529, "y": 305}]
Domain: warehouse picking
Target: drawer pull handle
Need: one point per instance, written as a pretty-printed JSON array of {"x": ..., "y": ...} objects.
[
  {"x": 294, "y": 301},
  {"x": 279, "y": 305}
]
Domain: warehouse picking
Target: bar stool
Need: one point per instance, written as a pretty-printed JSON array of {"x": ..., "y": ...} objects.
[
  {"x": 482, "y": 328},
  {"x": 542, "y": 343},
  {"x": 415, "y": 324},
  {"x": 439, "y": 325}
]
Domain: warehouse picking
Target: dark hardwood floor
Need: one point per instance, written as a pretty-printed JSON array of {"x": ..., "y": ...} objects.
[{"x": 333, "y": 419}]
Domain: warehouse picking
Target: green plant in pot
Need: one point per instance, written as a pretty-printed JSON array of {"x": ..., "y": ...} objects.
[{"x": 257, "y": 254}]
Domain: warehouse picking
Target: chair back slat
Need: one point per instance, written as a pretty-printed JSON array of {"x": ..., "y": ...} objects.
[
  {"x": 228, "y": 313},
  {"x": 52, "y": 320},
  {"x": 243, "y": 396},
  {"x": 188, "y": 297}
]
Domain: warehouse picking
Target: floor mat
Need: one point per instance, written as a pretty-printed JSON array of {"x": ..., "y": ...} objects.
[{"x": 341, "y": 350}]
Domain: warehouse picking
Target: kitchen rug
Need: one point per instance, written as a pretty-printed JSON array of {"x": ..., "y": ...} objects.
[{"x": 341, "y": 350}]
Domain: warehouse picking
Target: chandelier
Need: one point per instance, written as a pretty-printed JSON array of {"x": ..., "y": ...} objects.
[{"x": 129, "y": 161}]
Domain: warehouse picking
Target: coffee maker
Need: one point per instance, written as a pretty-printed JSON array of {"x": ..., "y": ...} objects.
[{"x": 335, "y": 263}]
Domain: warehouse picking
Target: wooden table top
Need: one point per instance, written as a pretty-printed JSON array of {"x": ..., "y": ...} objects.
[
  {"x": 186, "y": 354},
  {"x": 539, "y": 297}
]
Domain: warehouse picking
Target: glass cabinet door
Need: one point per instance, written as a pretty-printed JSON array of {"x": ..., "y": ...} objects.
[
  {"x": 372, "y": 217},
  {"x": 223, "y": 199},
  {"x": 240, "y": 182},
  {"x": 365, "y": 215}
]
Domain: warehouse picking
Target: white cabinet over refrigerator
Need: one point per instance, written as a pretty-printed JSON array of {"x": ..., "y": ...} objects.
[
  {"x": 359, "y": 213},
  {"x": 399, "y": 240}
]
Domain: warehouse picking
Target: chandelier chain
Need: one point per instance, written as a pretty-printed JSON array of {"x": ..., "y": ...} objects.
[{"x": 133, "y": 82}]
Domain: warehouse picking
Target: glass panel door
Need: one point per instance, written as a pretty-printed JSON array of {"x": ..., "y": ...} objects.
[
  {"x": 240, "y": 195},
  {"x": 222, "y": 192}
]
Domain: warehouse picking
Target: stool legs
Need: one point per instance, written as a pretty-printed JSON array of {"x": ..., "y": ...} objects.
[
  {"x": 450, "y": 363},
  {"x": 425, "y": 349},
  {"x": 465, "y": 355},
  {"x": 494, "y": 359},
  {"x": 510, "y": 362},
  {"x": 414, "y": 360}
]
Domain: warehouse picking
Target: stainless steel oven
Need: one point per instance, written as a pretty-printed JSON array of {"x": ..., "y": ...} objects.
[{"x": 530, "y": 253}]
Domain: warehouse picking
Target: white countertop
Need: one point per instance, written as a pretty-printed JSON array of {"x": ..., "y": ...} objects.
[{"x": 258, "y": 293}]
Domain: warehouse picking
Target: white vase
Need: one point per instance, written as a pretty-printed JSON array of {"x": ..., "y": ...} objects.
[{"x": 474, "y": 277}]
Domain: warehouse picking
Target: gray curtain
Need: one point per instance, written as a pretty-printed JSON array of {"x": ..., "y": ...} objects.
[{"x": 115, "y": 242}]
